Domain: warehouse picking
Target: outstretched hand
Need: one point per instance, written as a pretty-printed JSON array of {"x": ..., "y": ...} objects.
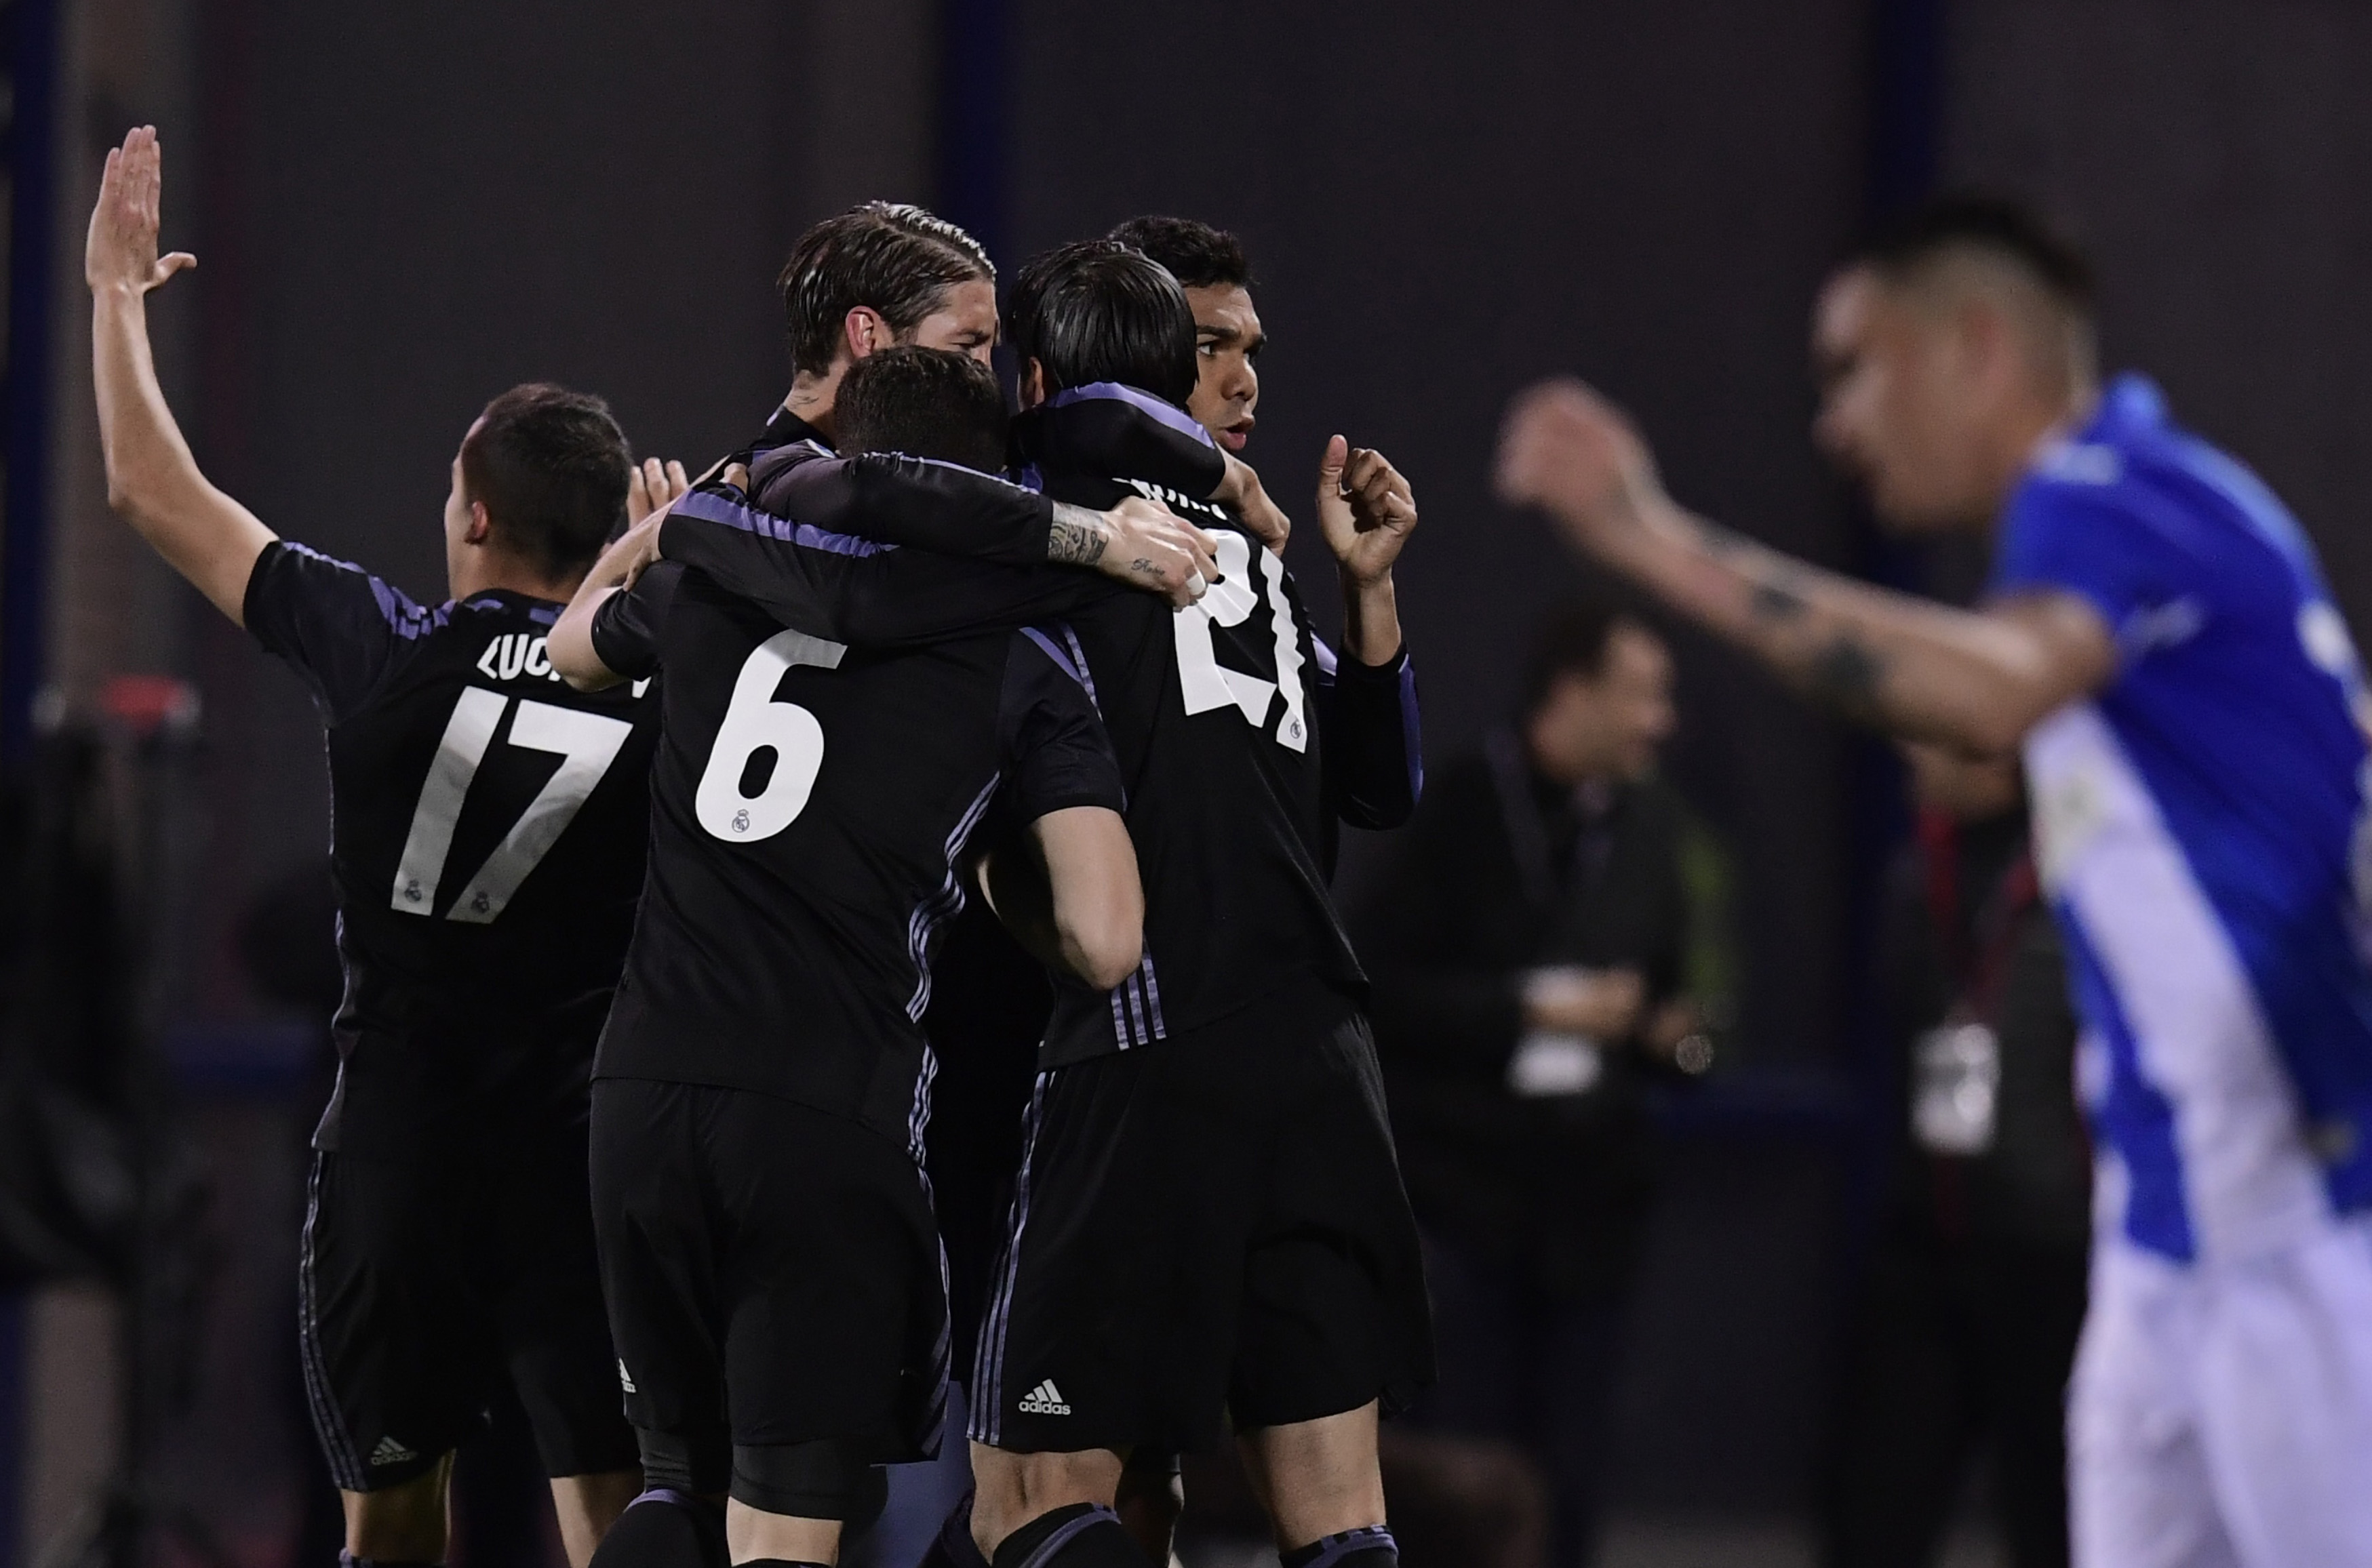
[
  {"x": 1568, "y": 451},
  {"x": 651, "y": 486},
  {"x": 120, "y": 252},
  {"x": 1364, "y": 508}
]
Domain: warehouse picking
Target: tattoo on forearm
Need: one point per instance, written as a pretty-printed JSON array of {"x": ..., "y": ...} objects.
[
  {"x": 1775, "y": 598},
  {"x": 1077, "y": 538},
  {"x": 1847, "y": 673},
  {"x": 1719, "y": 541}
]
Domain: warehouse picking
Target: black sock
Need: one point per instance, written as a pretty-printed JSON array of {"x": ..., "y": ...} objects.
[
  {"x": 1081, "y": 1535},
  {"x": 954, "y": 1547},
  {"x": 348, "y": 1560},
  {"x": 666, "y": 1528},
  {"x": 1369, "y": 1546}
]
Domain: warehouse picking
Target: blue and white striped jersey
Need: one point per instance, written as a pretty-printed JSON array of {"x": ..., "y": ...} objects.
[{"x": 2200, "y": 826}]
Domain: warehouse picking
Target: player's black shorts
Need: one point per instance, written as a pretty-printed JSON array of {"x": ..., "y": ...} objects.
[
  {"x": 1207, "y": 1228},
  {"x": 431, "y": 1274},
  {"x": 773, "y": 1281}
]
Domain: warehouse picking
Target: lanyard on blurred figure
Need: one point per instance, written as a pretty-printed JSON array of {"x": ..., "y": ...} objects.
[
  {"x": 1552, "y": 1064},
  {"x": 1956, "y": 1066}
]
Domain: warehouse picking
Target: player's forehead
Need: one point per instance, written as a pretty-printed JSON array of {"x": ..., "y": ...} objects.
[
  {"x": 966, "y": 310},
  {"x": 1225, "y": 312},
  {"x": 1863, "y": 311},
  {"x": 1848, "y": 312}
]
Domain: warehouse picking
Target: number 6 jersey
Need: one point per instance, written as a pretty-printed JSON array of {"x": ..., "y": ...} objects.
[
  {"x": 809, "y": 807},
  {"x": 486, "y": 843}
]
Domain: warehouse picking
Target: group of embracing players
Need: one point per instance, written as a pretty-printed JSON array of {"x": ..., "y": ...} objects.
[{"x": 644, "y": 844}]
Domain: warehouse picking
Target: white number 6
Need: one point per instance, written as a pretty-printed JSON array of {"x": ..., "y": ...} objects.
[{"x": 754, "y": 722}]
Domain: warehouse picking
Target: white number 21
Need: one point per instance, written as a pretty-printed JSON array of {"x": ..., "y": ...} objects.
[
  {"x": 1204, "y": 682},
  {"x": 587, "y": 743}
]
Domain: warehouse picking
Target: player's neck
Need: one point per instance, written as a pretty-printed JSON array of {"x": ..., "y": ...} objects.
[
  {"x": 487, "y": 571},
  {"x": 2038, "y": 422},
  {"x": 811, "y": 397}
]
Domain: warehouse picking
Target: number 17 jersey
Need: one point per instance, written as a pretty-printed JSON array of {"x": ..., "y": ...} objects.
[{"x": 486, "y": 840}]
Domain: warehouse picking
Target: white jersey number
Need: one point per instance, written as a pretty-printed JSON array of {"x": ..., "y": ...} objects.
[
  {"x": 587, "y": 743},
  {"x": 754, "y": 722},
  {"x": 1205, "y": 682}
]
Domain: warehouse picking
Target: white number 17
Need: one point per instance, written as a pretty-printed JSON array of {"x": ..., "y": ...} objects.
[{"x": 587, "y": 744}]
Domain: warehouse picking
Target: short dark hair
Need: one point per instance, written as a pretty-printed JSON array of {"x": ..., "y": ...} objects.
[
  {"x": 550, "y": 467},
  {"x": 1096, "y": 310},
  {"x": 897, "y": 259},
  {"x": 1571, "y": 640},
  {"x": 1197, "y": 255},
  {"x": 925, "y": 402},
  {"x": 1998, "y": 225}
]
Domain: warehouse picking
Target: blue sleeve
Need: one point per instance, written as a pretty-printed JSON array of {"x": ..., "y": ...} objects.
[
  {"x": 2093, "y": 540},
  {"x": 338, "y": 627},
  {"x": 1371, "y": 744}
]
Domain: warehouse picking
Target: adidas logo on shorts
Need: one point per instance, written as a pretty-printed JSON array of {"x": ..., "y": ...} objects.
[
  {"x": 1044, "y": 1400},
  {"x": 391, "y": 1452},
  {"x": 625, "y": 1378}
]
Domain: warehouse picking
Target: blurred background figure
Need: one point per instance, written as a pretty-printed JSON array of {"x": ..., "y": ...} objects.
[
  {"x": 1965, "y": 1319},
  {"x": 1529, "y": 947}
]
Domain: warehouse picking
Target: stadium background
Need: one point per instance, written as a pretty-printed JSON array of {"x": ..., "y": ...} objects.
[{"x": 400, "y": 209}]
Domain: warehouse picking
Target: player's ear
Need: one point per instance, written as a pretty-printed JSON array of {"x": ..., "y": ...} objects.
[
  {"x": 481, "y": 527},
  {"x": 1031, "y": 390},
  {"x": 866, "y": 331}
]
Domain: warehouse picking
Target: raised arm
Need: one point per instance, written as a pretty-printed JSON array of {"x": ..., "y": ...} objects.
[
  {"x": 1977, "y": 679},
  {"x": 152, "y": 480},
  {"x": 1374, "y": 749},
  {"x": 1367, "y": 513}
]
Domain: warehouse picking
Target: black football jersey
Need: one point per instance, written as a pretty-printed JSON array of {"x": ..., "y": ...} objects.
[
  {"x": 1216, "y": 712},
  {"x": 810, "y": 805},
  {"x": 487, "y": 838},
  {"x": 1241, "y": 741}
]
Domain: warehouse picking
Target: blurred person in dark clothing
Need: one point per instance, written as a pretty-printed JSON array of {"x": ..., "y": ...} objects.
[
  {"x": 1966, "y": 1322},
  {"x": 1529, "y": 947}
]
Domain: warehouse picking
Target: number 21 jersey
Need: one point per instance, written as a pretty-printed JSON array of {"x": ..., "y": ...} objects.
[{"x": 487, "y": 821}]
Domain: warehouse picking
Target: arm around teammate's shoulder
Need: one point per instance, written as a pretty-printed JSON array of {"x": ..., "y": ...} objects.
[{"x": 153, "y": 481}]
